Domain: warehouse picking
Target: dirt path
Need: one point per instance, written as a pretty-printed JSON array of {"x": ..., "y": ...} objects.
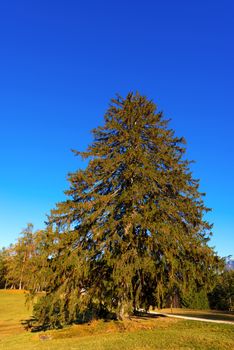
[{"x": 191, "y": 318}]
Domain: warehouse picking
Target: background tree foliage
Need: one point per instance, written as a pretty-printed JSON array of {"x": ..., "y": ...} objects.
[
  {"x": 22, "y": 264},
  {"x": 19, "y": 258},
  {"x": 3, "y": 267},
  {"x": 222, "y": 296}
]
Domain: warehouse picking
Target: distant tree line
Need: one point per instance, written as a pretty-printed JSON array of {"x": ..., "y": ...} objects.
[
  {"x": 222, "y": 295},
  {"x": 21, "y": 264},
  {"x": 131, "y": 233}
]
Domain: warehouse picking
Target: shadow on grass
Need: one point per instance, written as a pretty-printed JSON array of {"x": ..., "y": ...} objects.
[
  {"x": 31, "y": 324},
  {"x": 145, "y": 315}
]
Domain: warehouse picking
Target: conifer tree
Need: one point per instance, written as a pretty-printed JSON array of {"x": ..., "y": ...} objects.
[{"x": 132, "y": 229}]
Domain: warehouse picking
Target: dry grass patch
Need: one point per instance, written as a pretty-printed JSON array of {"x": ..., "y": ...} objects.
[{"x": 101, "y": 327}]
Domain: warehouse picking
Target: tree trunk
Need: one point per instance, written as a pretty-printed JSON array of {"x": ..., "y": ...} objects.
[{"x": 123, "y": 310}]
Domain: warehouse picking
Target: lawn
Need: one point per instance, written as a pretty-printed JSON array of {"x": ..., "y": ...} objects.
[{"x": 139, "y": 333}]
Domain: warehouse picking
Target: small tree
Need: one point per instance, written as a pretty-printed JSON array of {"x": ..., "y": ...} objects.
[
  {"x": 3, "y": 267},
  {"x": 132, "y": 228}
]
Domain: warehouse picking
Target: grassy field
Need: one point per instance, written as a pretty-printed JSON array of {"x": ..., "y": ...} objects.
[{"x": 139, "y": 333}]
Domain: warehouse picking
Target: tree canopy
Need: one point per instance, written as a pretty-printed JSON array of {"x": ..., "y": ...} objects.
[{"x": 132, "y": 230}]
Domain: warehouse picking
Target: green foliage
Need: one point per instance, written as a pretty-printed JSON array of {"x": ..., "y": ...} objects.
[
  {"x": 3, "y": 267},
  {"x": 222, "y": 297},
  {"x": 18, "y": 259},
  {"x": 196, "y": 300},
  {"x": 132, "y": 228},
  {"x": 22, "y": 264}
]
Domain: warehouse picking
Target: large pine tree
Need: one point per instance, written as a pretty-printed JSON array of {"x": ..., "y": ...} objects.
[{"x": 132, "y": 229}]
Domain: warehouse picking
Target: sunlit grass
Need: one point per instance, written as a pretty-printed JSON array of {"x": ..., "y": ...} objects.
[
  {"x": 135, "y": 334},
  {"x": 12, "y": 311}
]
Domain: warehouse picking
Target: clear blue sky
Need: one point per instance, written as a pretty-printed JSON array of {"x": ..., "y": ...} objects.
[{"x": 62, "y": 61}]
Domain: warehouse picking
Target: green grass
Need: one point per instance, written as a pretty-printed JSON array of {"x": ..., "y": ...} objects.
[
  {"x": 12, "y": 311},
  {"x": 140, "y": 333}
]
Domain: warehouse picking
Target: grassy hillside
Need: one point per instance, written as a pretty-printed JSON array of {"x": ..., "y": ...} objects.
[{"x": 138, "y": 334}]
